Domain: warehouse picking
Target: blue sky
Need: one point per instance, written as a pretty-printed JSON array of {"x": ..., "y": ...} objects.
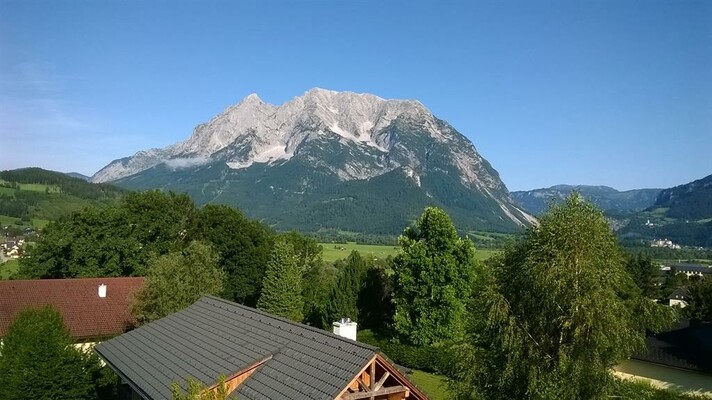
[{"x": 617, "y": 93}]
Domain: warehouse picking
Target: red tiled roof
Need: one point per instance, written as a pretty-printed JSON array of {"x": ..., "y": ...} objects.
[{"x": 85, "y": 313}]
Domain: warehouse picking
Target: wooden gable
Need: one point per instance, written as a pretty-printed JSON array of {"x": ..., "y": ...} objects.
[{"x": 380, "y": 380}]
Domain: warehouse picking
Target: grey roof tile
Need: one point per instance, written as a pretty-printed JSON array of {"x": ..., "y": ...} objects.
[{"x": 215, "y": 336}]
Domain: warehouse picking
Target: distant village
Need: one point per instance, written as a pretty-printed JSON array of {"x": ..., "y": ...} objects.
[
  {"x": 665, "y": 243},
  {"x": 12, "y": 242}
]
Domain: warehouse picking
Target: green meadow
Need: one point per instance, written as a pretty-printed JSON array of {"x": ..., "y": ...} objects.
[{"x": 336, "y": 251}]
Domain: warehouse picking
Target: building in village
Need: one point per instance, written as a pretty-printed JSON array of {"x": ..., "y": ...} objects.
[{"x": 691, "y": 270}]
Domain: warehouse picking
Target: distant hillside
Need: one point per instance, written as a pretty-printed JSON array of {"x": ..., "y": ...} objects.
[
  {"x": 34, "y": 196},
  {"x": 610, "y": 200},
  {"x": 78, "y": 175},
  {"x": 690, "y": 201},
  {"x": 682, "y": 214}
]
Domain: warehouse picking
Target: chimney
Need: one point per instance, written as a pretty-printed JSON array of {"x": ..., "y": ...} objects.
[
  {"x": 102, "y": 290},
  {"x": 345, "y": 328}
]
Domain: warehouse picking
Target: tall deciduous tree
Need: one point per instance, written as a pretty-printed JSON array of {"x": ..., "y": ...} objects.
[
  {"x": 432, "y": 280},
  {"x": 115, "y": 241},
  {"x": 554, "y": 313},
  {"x": 282, "y": 286},
  {"x": 37, "y": 360},
  {"x": 243, "y": 245},
  {"x": 176, "y": 280}
]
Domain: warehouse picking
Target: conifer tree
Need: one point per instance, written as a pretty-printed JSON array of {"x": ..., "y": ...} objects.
[
  {"x": 343, "y": 301},
  {"x": 38, "y": 361},
  {"x": 282, "y": 286},
  {"x": 432, "y": 280}
]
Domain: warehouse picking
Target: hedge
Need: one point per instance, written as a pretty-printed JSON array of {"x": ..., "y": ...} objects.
[{"x": 428, "y": 358}]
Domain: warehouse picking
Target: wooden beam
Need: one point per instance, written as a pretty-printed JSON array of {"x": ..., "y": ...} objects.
[
  {"x": 382, "y": 392},
  {"x": 400, "y": 378},
  {"x": 382, "y": 381},
  {"x": 353, "y": 383},
  {"x": 373, "y": 379},
  {"x": 363, "y": 385}
]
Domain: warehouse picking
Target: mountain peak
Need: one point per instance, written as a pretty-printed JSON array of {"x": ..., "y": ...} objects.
[
  {"x": 318, "y": 90},
  {"x": 252, "y": 98}
]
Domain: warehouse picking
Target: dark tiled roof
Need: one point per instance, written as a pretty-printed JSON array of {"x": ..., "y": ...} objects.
[
  {"x": 216, "y": 337},
  {"x": 681, "y": 293},
  {"x": 85, "y": 313},
  {"x": 683, "y": 346},
  {"x": 692, "y": 268}
]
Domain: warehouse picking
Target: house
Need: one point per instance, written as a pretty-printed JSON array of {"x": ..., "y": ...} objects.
[
  {"x": 92, "y": 308},
  {"x": 678, "y": 358},
  {"x": 262, "y": 357},
  {"x": 692, "y": 270},
  {"x": 679, "y": 297}
]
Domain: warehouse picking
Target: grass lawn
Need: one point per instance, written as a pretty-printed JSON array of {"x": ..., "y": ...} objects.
[
  {"x": 38, "y": 187},
  {"x": 8, "y": 268},
  {"x": 39, "y": 223},
  {"x": 483, "y": 254},
  {"x": 336, "y": 251},
  {"x": 433, "y": 385},
  {"x": 5, "y": 220}
]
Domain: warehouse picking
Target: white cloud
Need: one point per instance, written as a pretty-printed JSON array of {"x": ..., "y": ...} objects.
[{"x": 180, "y": 163}]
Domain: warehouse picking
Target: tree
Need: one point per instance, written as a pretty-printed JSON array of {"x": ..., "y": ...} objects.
[
  {"x": 178, "y": 279},
  {"x": 115, "y": 241},
  {"x": 674, "y": 280},
  {"x": 317, "y": 283},
  {"x": 197, "y": 391},
  {"x": 432, "y": 280},
  {"x": 317, "y": 278},
  {"x": 38, "y": 361},
  {"x": 306, "y": 249},
  {"x": 554, "y": 313},
  {"x": 343, "y": 300},
  {"x": 375, "y": 300},
  {"x": 244, "y": 246},
  {"x": 282, "y": 286},
  {"x": 700, "y": 308},
  {"x": 643, "y": 272}
]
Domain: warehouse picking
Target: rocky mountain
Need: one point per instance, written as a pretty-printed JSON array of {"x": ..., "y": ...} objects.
[
  {"x": 340, "y": 160},
  {"x": 610, "y": 200}
]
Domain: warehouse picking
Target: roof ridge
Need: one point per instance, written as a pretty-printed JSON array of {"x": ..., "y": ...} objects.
[
  {"x": 71, "y": 279},
  {"x": 289, "y": 321}
]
